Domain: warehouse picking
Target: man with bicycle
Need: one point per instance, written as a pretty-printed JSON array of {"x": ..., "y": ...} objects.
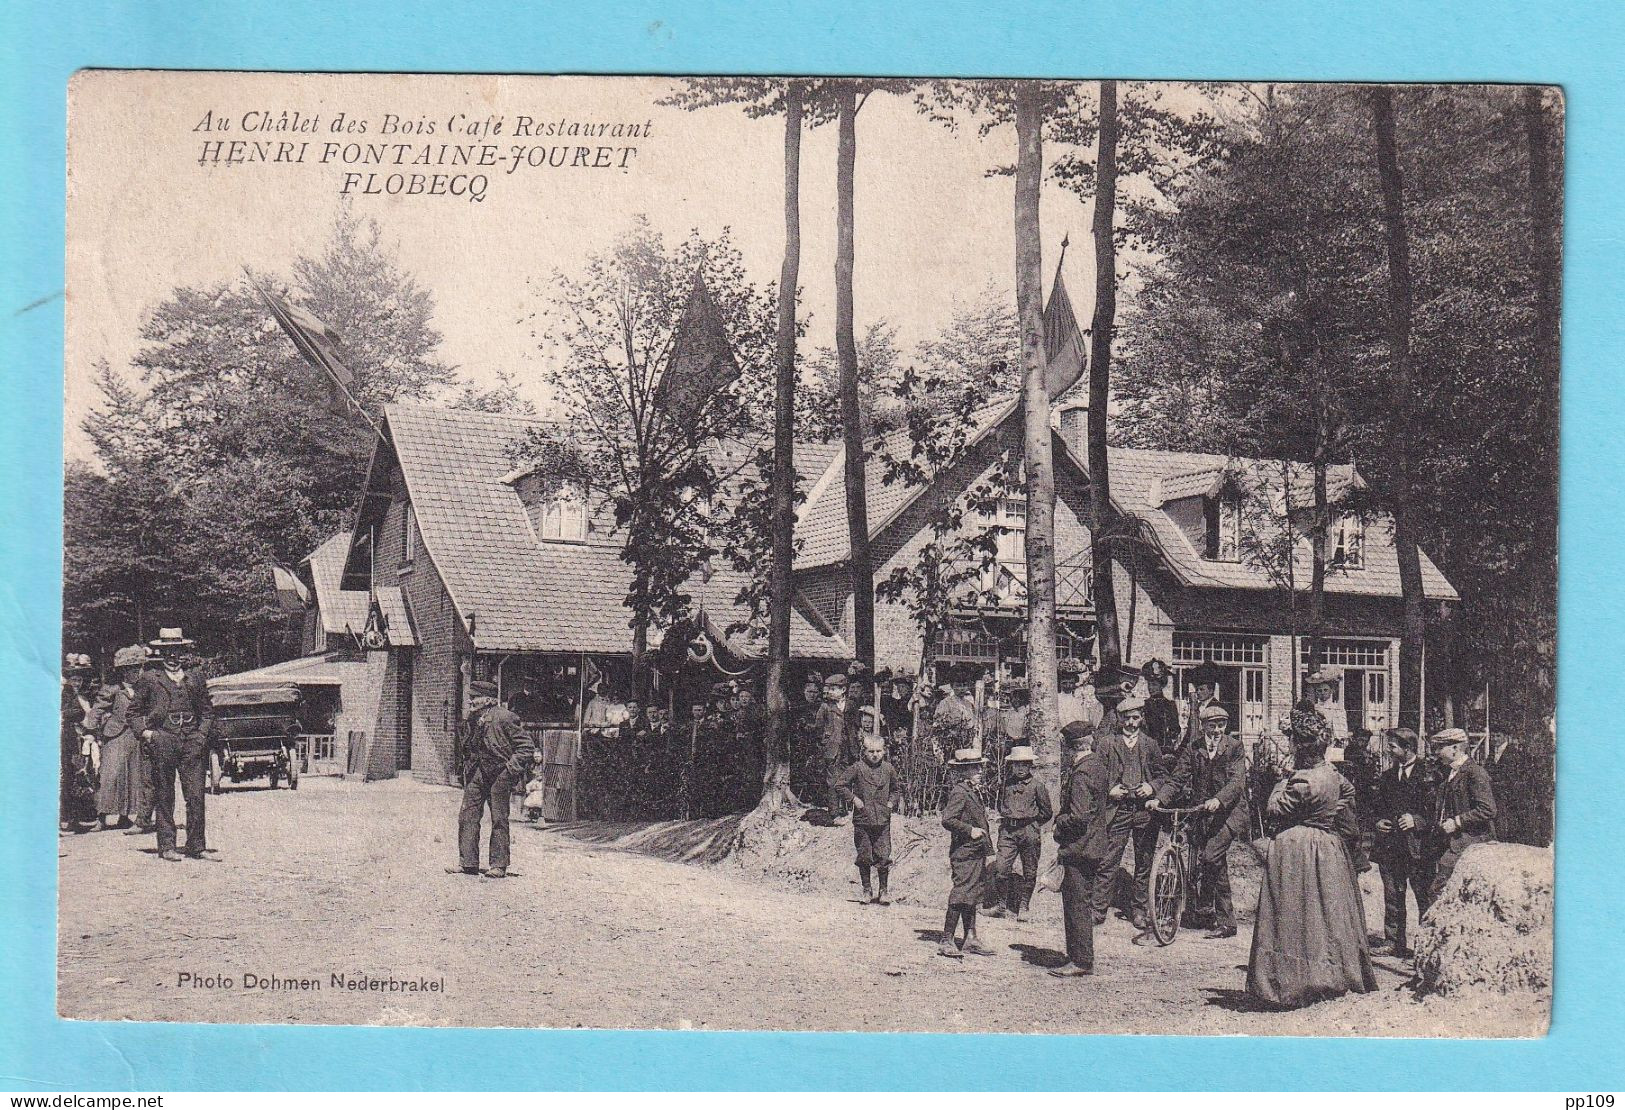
[
  {"x": 1136, "y": 770},
  {"x": 1211, "y": 775}
]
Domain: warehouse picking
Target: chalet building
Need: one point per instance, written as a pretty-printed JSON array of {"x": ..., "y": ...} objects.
[
  {"x": 506, "y": 576},
  {"x": 1188, "y": 590},
  {"x": 468, "y": 568}
]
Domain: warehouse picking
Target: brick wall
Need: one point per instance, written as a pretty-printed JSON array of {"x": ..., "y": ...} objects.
[{"x": 426, "y": 741}]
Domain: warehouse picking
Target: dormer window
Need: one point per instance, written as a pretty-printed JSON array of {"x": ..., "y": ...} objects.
[
  {"x": 1347, "y": 542},
  {"x": 564, "y": 515},
  {"x": 1223, "y": 526}
]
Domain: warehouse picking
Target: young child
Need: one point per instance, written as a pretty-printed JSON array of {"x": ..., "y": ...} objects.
[
  {"x": 964, "y": 816},
  {"x": 867, "y": 786},
  {"x": 533, "y": 794}
]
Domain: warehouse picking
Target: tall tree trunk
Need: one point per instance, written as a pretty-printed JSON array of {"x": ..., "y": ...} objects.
[
  {"x": 640, "y": 657},
  {"x": 1414, "y": 634},
  {"x": 1320, "y": 534},
  {"x": 1043, "y": 709},
  {"x": 776, "y": 791},
  {"x": 846, "y": 345},
  {"x": 1100, "y": 381},
  {"x": 1544, "y": 222},
  {"x": 1547, "y": 245}
]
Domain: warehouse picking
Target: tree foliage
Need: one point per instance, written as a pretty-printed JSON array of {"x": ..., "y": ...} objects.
[
  {"x": 1260, "y": 329},
  {"x": 218, "y": 453},
  {"x": 608, "y": 332}
]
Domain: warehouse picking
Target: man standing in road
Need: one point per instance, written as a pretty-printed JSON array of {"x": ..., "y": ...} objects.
[
  {"x": 499, "y": 754},
  {"x": 1404, "y": 799},
  {"x": 1136, "y": 769},
  {"x": 1212, "y": 775},
  {"x": 1081, "y": 834},
  {"x": 178, "y": 714}
]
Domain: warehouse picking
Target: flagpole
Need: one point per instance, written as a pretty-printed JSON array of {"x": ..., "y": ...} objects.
[{"x": 289, "y": 327}]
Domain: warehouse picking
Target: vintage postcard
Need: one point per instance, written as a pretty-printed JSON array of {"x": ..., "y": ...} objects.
[{"x": 803, "y": 553}]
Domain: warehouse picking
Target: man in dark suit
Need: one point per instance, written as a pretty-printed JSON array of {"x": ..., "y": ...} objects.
[
  {"x": 1137, "y": 770},
  {"x": 1212, "y": 775},
  {"x": 1403, "y": 799},
  {"x": 1466, "y": 805},
  {"x": 1081, "y": 834},
  {"x": 178, "y": 718},
  {"x": 499, "y": 754}
]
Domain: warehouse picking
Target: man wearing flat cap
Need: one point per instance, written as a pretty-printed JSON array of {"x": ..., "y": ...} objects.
[
  {"x": 1212, "y": 775},
  {"x": 1465, "y": 813},
  {"x": 174, "y": 705},
  {"x": 1081, "y": 839},
  {"x": 1136, "y": 769},
  {"x": 499, "y": 754},
  {"x": 1404, "y": 797}
]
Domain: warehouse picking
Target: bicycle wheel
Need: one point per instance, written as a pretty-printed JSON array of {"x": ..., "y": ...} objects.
[{"x": 1167, "y": 892}]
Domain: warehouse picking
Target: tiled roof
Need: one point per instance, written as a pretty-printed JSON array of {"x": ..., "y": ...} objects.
[
  {"x": 1140, "y": 482},
  {"x": 397, "y": 617},
  {"x": 1195, "y": 483},
  {"x": 822, "y": 525},
  {"x": 1135, "y": 472},
  {"x": 523, "y": 594},
  {"x": 337, "y": 607}
]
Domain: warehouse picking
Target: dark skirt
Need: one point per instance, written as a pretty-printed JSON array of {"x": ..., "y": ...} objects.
[
  {"x": 970, "y": 874},
  {"x": 1309, "y": 943}
]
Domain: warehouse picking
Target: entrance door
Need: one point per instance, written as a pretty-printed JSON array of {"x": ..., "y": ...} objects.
[{"x": 1254, "y": 703}]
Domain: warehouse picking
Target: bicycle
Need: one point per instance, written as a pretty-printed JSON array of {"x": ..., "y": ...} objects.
[{"x": 1174, "y": 872}]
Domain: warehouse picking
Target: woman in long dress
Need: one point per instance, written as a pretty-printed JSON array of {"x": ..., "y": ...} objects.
[
  {"x": 122, "y": 793},
  {"x": 1309, "y": 941}
]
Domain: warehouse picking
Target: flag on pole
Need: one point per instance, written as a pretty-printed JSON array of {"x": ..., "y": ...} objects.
[
  {"x": 1063, "y": 342},
  {"x": 321, "y": 347},
  {"x": 702, "y": 360}
]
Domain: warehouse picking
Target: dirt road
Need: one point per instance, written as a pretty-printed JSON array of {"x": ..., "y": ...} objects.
[{"x": 347, "y": 880}]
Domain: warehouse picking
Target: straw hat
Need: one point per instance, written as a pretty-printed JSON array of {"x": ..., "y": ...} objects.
[{"x": 170, "y": 637}]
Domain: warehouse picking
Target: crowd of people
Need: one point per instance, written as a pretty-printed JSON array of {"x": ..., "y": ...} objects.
[
  {"x": 128, "y": 742},
  {"x": 865, "y": 748}
]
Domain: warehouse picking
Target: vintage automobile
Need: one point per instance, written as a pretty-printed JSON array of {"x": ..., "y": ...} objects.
[{"x": 256, "y": 735}]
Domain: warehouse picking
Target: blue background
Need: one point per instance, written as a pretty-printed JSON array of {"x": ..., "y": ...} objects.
[{"x": 1578, "y": 45}]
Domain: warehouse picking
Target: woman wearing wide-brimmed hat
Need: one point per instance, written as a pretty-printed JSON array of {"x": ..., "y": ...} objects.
[
  {"x": 122, "y": 793},
  {"x": 1309, "y": 941}
]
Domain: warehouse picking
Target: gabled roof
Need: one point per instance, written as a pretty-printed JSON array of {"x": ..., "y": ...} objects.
[
  {"x": 1135, "y": 474},
  {"x": 1142, "y": 482},
  {"x": 519, "y": 593},
  {"x": 1194, "y": 483},
  {"x": 340, "y": 610},
  {"x": 821, "y": 527}
]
